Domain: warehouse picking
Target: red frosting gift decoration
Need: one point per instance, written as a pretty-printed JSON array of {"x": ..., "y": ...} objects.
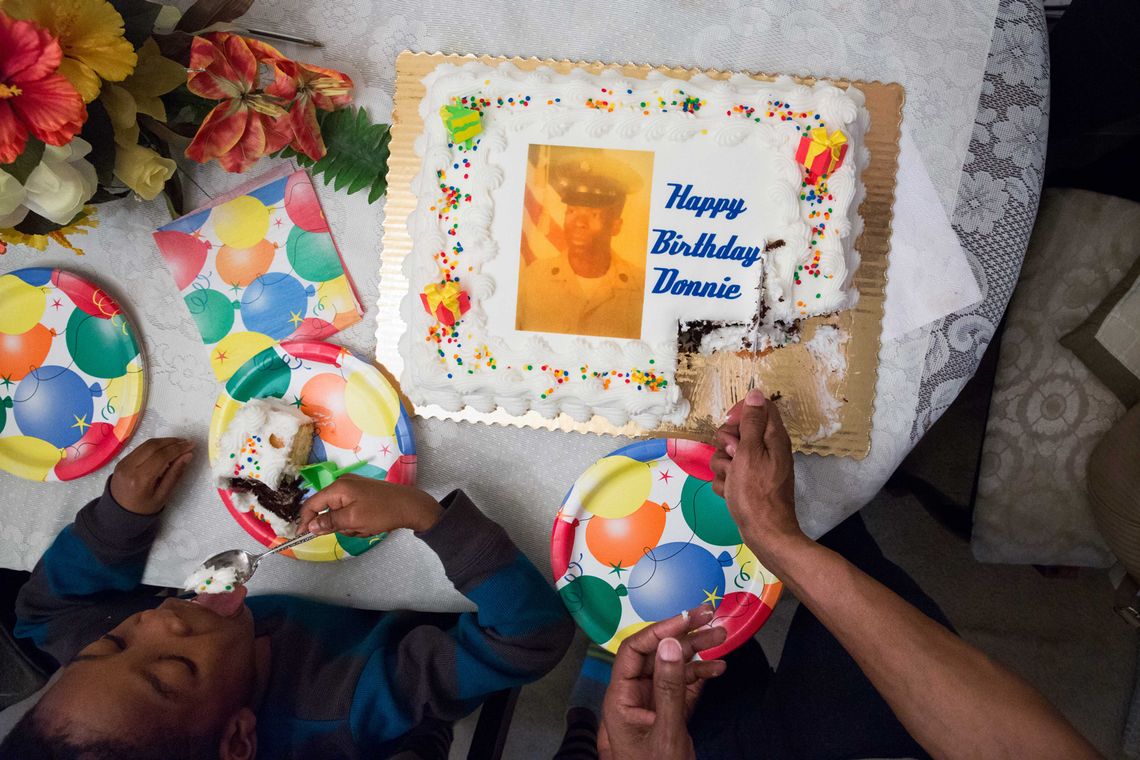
[
  {"x": 447, "y": 302},
  {"x": 820, "y": 153}
]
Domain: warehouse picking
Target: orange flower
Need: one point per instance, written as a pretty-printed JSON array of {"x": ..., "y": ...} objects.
[
  {"x": 310, "y": 88},
  {"x": 247, "y": 124},
  {"x": 34, "y": 98}
]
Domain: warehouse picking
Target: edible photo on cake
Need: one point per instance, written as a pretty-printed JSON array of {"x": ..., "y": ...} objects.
[{"x": 582, "y": 259}]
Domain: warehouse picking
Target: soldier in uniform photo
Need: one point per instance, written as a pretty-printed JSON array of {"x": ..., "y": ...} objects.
[{"x": 590, "y": 288}]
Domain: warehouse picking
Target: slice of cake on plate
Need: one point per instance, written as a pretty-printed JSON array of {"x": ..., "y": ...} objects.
[
  {"x": 573, "y": 229},
  {"x": 260, "y": 454}
]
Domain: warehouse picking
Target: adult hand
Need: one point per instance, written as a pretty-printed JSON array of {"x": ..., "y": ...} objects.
[
  {"x": 145, "y": 478},
  {"x": 654, "y": 687},
  {"x": 754, "y": 474},
  {"x": 360, "y": 506}
]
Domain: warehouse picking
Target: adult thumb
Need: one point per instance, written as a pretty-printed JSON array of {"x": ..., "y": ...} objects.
[
  {"x": 753, "y": 420},
  {"x": 669, "y": 694}
]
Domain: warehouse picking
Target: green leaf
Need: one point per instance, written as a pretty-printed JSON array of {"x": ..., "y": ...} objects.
[
  {"x": 357, "y": 156},
  {"x": 26, "y": 161},
  {"x": 138, "y": 18}
]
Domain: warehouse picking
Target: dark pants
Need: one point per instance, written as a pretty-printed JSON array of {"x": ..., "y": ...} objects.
[{"x": 817, "y": 703}]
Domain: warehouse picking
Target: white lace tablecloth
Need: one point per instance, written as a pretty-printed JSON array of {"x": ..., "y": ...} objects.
[{"x": 985, "y": 167}]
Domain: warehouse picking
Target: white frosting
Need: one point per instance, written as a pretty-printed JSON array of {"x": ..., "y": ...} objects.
[
  {"x": 827, "y": 348},
  {"x": 721, "y": 149},
  {"x": 209, "y": 580},
  {"x": 281, "y": 434}
]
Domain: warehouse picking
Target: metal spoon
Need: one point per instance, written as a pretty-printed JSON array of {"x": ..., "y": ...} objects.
[{"x": 243, "y": 563}]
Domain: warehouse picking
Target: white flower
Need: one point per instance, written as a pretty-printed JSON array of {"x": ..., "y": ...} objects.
[
  {"x": 12, "y": 209},
  {"x": 56, "y": 189},
  {"x": 981, "y": 202},
  {"x": 1017, "y": 136},
  {"x": 1017, "y": 55},
  {"x": 62, "y": 183}
]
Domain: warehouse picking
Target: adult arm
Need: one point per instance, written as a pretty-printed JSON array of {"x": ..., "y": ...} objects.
[{"x": 953, "y": 699}]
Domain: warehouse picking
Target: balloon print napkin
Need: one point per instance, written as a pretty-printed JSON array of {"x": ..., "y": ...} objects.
[{"x": 257, "y": 268}]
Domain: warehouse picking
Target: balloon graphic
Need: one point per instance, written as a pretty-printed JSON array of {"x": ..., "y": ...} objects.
[
  {"x": 622, "y": 541},
  {"x": 613, "y": 644},
  {"x": 371, "y": 471},
  {"x": 317, "y": 453},
  {"x": 234, "y": 350},
  {"x": 672, "y": 578},
  {"x": 21, "y": 305},
  {"x": 270, "y": 194},
  {"x": 357, "y": 545},
  {"x": 404, "y": 440},
  {"x": 34, "y": 275},
  {"x": 313, "y": 255},
  {"x": 20, "y": 354},
  {"x": 302, "y": 206},
  {"x": 262, "y": 376},
  {"x": 707, "y": 514},
  {"x": 125, "y": 393},
  {"x": 562, "y": 545},
  {"x": 28, "y": 457},
  {"x": 644, "y": 451},
  {"x": 613, "y": 486},
  {"x": 212, "y": 312},
  {"x": 323, "y": 399},
  {"x": 5, "y": 405},
  {"x": 741, "y": 613},
  {"x": 184, "y": 254},
  {"x": 90, "y": 299},
  {"x": 336, "y": 297},
  {"x": 372, "y": 405},
  {"x": 125, "y": 426},
  {"x": 97, "y": 447},
  {"x": 403, "y": 470},
  {"x": 314, "y": 328},
  {"x": 693, "y": 457},
  {"x": 275, "y": 304},
  {"x": 241, "y": 266},
  {"x": 595, "y": 606},
  {"x": 242, "y": 222},
  {"x": 53, "y": 403},
  {"x": 100, "y": 347}
]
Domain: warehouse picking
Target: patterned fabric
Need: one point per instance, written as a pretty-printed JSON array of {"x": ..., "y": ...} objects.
[
  {"x": 1048, "y": 409},
  {"x": 997, "y": 200}
]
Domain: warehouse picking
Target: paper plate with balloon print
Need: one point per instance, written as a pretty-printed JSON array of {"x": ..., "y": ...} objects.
[
  {"x": 641, "y": 537},
  {"x": 357, "y": 416},
  {"x": 71, "y": 375}
]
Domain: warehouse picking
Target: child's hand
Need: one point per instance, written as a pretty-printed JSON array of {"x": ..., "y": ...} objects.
[
  {"x": 361, "y": 506},
  {"x": 145, "y": 478}
]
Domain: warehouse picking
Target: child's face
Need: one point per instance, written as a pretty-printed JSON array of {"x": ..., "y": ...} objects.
[{"x": 178, "y": 666}]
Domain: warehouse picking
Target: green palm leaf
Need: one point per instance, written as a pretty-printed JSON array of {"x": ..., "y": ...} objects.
[{"x": 357, "y": 156}]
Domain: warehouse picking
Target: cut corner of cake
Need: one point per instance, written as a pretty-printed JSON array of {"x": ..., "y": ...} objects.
[
  {"x": 260, "y": 454},
  {"x": 595, "y": 227}
]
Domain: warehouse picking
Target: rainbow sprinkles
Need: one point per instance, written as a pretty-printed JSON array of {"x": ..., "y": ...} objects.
[{"x": 751, "y": 217}]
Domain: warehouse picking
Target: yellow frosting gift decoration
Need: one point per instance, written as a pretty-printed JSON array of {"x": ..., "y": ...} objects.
[
  {"x": 447, "y": 302},
  {"x": 821, "y": 153}
]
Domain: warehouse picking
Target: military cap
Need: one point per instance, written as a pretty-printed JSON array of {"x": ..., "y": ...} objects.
[{"x": 592, "y": 178}]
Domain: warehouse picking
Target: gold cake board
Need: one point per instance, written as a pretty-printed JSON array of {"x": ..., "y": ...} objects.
[{"x": 711, "y": 383}]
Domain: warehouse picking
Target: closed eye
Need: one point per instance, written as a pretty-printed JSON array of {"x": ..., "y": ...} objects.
[{"x": 118, "y": 642}]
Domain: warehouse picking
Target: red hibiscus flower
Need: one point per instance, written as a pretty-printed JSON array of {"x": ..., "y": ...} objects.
[
  {"x": 248, "y": 123},
  {"x": 34, "y": 98},
  {"x": 310, "y": 88}
]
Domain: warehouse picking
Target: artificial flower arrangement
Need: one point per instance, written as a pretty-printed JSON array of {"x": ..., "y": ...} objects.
[{"x": 97, "y": 97}]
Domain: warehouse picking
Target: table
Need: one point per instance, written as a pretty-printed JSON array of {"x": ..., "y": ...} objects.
[{"x": 988, "y": 174}]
